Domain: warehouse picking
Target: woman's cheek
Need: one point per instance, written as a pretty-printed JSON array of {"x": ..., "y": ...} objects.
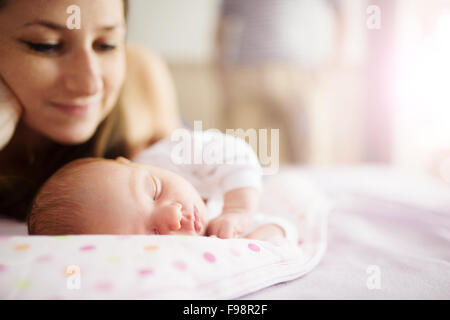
[
  {"x": 32, "y": 81},
  {"x": 114, "y": 77}
]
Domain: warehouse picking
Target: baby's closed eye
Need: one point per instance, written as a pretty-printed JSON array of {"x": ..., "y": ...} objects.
[
  {"x": 157, "y": 186},
  {"x": 151, "y": 186}
]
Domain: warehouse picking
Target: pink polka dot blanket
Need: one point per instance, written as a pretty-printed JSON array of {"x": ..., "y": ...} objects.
[{"x": 170, "y": 267}]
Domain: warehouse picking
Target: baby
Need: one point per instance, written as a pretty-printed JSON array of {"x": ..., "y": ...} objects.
[{"x": 160, "y": 193}]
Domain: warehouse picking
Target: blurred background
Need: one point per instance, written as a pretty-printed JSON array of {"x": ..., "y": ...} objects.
[{"x": 345, "y": 81}]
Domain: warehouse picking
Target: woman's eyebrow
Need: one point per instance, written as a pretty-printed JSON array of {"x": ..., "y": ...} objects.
[
  {"x": 47, "y": 24},
  {"x": 60, "y": 27},
  {"x": 112, "y": 27}
]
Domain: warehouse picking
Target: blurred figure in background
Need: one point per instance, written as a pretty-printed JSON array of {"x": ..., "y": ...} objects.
[{"x": 272, "y": 55}]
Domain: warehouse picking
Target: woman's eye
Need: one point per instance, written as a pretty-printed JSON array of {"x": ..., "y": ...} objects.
[
  {"x": 105, "y": 47},
  {"x": 42, "y": 47},
  {"x": 51, "y": 47}
]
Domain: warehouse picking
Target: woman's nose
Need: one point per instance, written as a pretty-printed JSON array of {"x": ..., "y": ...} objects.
[{"x": 83, "y": 76}]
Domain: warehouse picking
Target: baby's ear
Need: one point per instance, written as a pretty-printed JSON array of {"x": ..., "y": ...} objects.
[{"x": 123, "y": 160}]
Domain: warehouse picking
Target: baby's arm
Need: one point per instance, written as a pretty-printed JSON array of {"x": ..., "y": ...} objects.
[
  {"x": 242, "y": 200},
  {"x": 237, "y": 214}
]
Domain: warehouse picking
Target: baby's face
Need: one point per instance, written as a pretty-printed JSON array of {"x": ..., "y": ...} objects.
[{"x": 123, "y": 197}]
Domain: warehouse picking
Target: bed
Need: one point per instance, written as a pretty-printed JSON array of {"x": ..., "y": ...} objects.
[
  {"x": 392, "y": 219},
  {"x": 376, "y": 233}
]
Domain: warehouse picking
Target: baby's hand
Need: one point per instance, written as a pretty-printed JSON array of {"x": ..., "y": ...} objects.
[
  {"x": 229, "y": 225},
  {"x": 237, "y": 213}
]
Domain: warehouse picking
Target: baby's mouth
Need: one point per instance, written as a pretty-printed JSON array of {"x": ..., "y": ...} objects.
[{"x": 197, "y": 223}]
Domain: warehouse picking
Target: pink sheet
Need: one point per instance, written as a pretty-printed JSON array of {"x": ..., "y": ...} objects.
[{"x": 383, "y": 217}]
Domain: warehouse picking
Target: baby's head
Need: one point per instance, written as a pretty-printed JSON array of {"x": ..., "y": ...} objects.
[{"x": 98, "y": 196}]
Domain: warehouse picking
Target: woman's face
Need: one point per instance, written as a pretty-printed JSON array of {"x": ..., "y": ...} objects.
[{"x": 66, "y": 80}]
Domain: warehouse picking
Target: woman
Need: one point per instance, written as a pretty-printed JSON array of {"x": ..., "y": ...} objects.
[{"x": 67, "y": 94}]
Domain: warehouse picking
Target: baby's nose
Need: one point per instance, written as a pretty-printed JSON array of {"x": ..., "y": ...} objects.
[
  {"x": 188, "y": 221},
  {"x": 188, "y": 214},
  {"x": 168, "y": 218}
]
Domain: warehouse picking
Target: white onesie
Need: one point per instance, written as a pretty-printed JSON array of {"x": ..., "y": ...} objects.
[{"x": 214, "y": 163}]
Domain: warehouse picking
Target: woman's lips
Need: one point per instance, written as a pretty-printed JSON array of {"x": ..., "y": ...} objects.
[{"x": 73, "y": 110}]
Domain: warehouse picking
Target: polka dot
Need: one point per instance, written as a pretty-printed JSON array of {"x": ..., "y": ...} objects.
[
  {"x": 87, "y": 248},
  {"x": 2, "y": 268},
  {"x": 104, "y": 286},
  {"x": 23, "y": 284},
  {"x": 62, "y": 237},
  {"x": 209, "y": 257},
  {"x": 22, "y": 247},
  {"x": 253, "y": 247},
  {"x": 44, "y": 258},
  {"x": 151, "y": 248},
  {"x": 180, "y": 265},
  {"x": 235, "y": 252},
  {"x": 145, "y": 272},
  {"x": 278, "y": 242},
  {"x": 113, "y": 259}
]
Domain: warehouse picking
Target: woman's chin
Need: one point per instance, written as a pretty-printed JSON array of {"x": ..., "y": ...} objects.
[
  {"x": 62, "y": 134},
  {"x": 71, "y": 137}
]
